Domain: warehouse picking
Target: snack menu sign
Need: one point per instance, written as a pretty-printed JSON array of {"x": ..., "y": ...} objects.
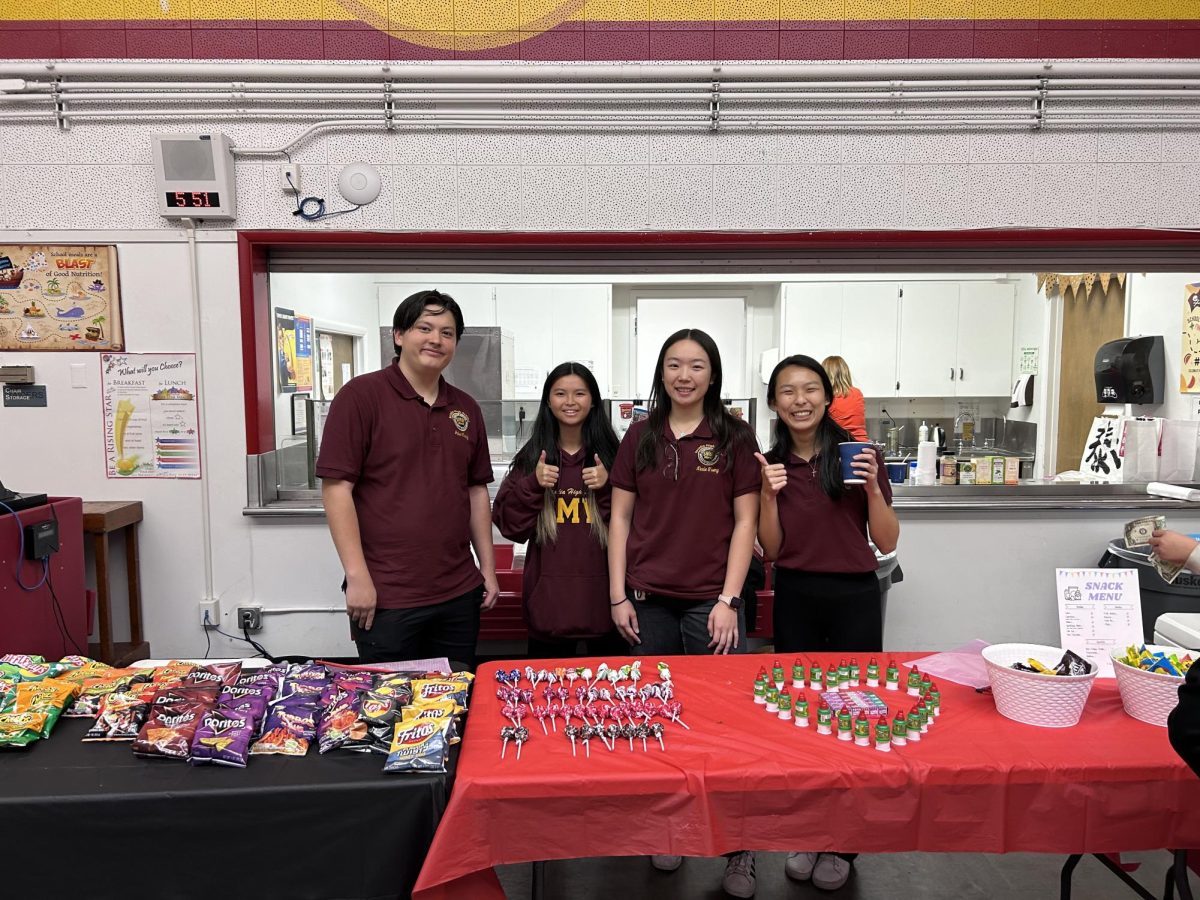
[{"x": 1099, "y": 610}]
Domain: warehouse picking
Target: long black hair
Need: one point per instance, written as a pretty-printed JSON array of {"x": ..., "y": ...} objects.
[
  {"x": 599, "y": 439},
  {"x": 726, "y": 428},
  {"x": 829, "y": 433}
]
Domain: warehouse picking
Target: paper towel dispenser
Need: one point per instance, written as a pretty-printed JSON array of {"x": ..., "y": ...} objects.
[{"x": 1130, "y": 370}]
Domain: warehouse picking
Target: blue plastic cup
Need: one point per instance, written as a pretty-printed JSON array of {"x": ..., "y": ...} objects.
[{"x": 849, "y": 450}]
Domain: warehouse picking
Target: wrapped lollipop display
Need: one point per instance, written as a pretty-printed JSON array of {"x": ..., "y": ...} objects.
[{"x": 611, "y": 703}]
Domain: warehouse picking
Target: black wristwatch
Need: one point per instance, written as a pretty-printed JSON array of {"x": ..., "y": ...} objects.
[{"x": 734, "y": 602}]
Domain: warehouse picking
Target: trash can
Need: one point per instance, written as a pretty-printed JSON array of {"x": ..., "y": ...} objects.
[
  {"x": 1158, "y": 597},
  {"x": 888, "y": 572}
]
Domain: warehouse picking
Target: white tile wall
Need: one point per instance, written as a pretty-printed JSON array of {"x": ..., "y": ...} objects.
[
  {"x": 681, "y": 197},
  {"x": 554, "y": 198},
  {"x": 426, "y": 197},
  {"x": 618, "y": 197},
  {"x": 101, "y": 176}
]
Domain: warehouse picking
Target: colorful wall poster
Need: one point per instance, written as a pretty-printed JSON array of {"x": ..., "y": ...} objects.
[
  {"x": 1189, "y": 370},
  {"x": 304, "y": 353},
  {"x": 59, "y": 297},
  {"x": 285, "y": 349},
  {"x": 151, "y": 415}
]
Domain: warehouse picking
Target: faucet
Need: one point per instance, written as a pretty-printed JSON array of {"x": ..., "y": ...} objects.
[{"x": 964, "y": 430}]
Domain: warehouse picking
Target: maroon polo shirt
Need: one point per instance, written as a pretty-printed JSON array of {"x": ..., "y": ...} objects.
[
  {"x": 679, "y": 540},
  {"x": 819, "y": 533},
  {"x": 411, "y": 465}
]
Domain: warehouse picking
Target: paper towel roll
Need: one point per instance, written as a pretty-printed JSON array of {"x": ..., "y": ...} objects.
[
  {"x": 927, "y": 462},
  {"x": 1173, "y": 491}
]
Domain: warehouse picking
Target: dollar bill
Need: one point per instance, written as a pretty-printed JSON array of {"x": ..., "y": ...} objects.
[
  {"x": 1166, "y": 571},
  {"x": 1137, "y": 532}
]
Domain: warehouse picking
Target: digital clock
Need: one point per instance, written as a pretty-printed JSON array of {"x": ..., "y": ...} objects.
[
  {"x": 193, "y": 199},
  {"x": 194, "y": 176}
]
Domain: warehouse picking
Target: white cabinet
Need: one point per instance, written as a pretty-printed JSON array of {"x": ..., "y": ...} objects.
[
  {"x": 956, "y": 339},
  {"x": 928, "y": 339},
  {"x": 555, "y": 323},
  {"x": 986, "y": 315},
  {"x": 855, "y": 320}
]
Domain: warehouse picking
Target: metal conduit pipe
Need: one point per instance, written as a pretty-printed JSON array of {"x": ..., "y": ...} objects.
[{"x": 615, "y": 72}]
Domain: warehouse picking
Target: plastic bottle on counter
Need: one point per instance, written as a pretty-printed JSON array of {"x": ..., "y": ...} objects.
[{"x": 923, "y": 432}]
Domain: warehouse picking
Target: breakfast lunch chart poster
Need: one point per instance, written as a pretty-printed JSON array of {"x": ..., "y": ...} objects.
[
  {"x": 151, "y": 418},
  {"x": 60, "y": 297}
]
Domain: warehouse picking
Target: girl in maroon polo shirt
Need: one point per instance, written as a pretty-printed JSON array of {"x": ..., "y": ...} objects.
[
  {"x": 684, "y": 510},
  {"x": 816, "y": 529},
  {"x": 556, "y": 497}
]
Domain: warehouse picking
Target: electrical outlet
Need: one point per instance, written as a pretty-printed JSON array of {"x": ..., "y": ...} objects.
[
  {"x": 289, "y": 179},
  {"x": 249, "y": 618},
  {"x": 211, "y": 608}
]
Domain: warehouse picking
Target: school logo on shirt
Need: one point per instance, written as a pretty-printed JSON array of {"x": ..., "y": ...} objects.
[
  {"x": 708, "y": 457},
  {"x": 461, "y": 420}
]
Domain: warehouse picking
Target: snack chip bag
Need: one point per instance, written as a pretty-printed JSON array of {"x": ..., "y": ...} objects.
[
  {"x": 434, "y": 710},
  {"x": 93, "y": 691},
  {"x": 223, "y": 738},
  {"x": 21, "y": 729},
  {"x": 342, "y": 727},
  {"x": 170, "y": 728},
  {"x": 419, "y": 746},
  {"x": 49, "y": 696},
  {"x": 222, "y": 674},
  {"x": 174, "y": 671},
  {"x": 288, "y": 730},
  {"x": 121, "y": 716},
  {"x": 428, "y": 689}
]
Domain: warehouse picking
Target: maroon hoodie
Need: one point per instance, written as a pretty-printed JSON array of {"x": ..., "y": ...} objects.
[{"x": 565, "y": 585}]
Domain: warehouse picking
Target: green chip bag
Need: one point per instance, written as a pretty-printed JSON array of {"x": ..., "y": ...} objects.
[{"x": 21, "y": 729}]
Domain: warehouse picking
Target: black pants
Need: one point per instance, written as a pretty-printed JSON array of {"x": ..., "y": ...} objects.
[
  {"x": 817, "y": 612},
  {"x": 449, "y": 629},
  {"x": 827, "y": 613},
  {"x": 611, "y": 644}
]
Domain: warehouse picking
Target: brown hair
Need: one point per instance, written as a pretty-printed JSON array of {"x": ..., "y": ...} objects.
[{"x": 839, "y": 375}]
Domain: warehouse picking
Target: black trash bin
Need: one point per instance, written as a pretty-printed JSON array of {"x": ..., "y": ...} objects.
[{"x": 1158, "y": 597}]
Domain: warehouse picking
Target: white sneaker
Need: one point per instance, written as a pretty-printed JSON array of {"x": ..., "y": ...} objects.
[
  {"x": 799, "y": 866},
  {"x": 739, "y": 878},
  {"x": 664, "y": 862},
  {"x": 831, "y": 872}
]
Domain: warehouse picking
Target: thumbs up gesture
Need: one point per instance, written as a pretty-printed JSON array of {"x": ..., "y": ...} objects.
[
  {"x": 595, "y": 477},
  {"x": 547, "y": 476},
  {"x": 774, "y": 476}
]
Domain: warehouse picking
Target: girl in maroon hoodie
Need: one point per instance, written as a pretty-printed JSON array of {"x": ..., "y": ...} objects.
[{"x": 556, "y": 498}]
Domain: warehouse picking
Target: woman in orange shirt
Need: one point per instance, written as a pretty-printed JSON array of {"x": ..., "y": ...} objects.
[{"x": 847, "y": 408}]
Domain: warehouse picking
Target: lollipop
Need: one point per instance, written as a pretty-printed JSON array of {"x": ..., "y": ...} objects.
[
  {"x": 672, "y": 711},
  {"x": 657, "y": 729},
  {"x": 570, "y": 731},
  {"x": 539, "y": 712},
  {"x": 586, "y": 733},
  {"x": 606, "y": 694},
  {"x": 613, "y": 732},
  {"x": 626, "y": 672},
  {"x": 642, "y": 732},
  {"x": 664, "y": 672},
  {"x": 520, "y": 735},
  {"x": 629, "y": 731},
  {"x": 635, "y": 671},
  {"x": 531, "y": 675},
  {"x": 526, "y": 696},
  {"x": 571, "y": 674},
  {"x": 506, "y": 733},
  {"x": 601, "y": 672},
  {"x": 552, "y": 710},
  {"x": 514, "y": 676}
]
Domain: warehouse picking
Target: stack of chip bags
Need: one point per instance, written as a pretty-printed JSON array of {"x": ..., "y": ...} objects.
[
  {"x": 421, "y": 740},
  {"x": 227, "y": 730}
]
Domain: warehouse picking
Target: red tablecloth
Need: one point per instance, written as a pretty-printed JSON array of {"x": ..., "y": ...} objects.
[{"x": 742, "y": 779}]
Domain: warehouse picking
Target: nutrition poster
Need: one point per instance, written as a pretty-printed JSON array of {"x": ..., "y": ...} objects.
[
  {"x": 59, "y": 297},
  {"x": 1189, "y": 372},
  {"x": 1098, "y": 610},
  {"x": 151, "y": 420}
]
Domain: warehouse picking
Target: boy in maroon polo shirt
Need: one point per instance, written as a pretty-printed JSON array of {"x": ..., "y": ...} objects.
[{"x": 404, "y": 469}]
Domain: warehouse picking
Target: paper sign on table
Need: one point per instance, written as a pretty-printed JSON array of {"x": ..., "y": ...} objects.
[{"x": 1098, "y": 609}]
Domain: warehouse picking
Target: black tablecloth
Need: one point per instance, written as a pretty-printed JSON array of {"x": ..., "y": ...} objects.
[{"x": 92, "y": 820}]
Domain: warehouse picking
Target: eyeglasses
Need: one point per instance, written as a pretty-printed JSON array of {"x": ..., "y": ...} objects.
[{"x": 671, "y": 469}]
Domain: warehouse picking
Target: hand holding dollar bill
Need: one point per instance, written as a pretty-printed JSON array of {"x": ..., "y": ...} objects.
[{"x": 1138, "y": 532}]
